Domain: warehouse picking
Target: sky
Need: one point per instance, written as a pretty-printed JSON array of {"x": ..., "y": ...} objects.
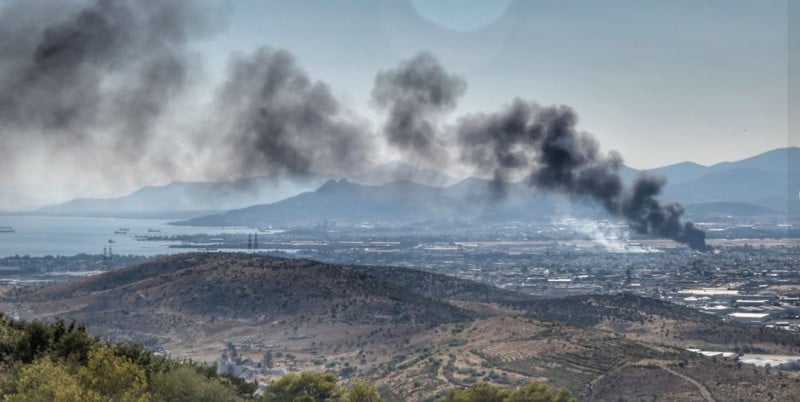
[{"x": 660, "y": 82}]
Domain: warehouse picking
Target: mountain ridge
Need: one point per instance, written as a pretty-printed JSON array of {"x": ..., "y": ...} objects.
[{"x": 762, "y": 180}]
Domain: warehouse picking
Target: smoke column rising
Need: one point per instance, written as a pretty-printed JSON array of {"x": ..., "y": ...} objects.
[
  {"x": 87, "y": 89},
  {"x": 540, "y": 141},
  {"x": 545, "y": 142},
  {"x": 99, "y": 78},
  {"x": 110, "y": 65},
  {"x": 416, "y": 94},
  {"x": 273, "y": 117}
]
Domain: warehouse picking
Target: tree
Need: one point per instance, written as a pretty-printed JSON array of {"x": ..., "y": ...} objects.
[
  {"x": 484, "y": 392},
  {"x": 307, "y": 386},
  {"x": 35, "y": 341},
  {"x": 185, "y": 384},
  {"x": 74, "y": 345},
  {"x": 536, "y": 392},
  {"x": 45, "y": 380},
  {"x": 144, "y": 358},
  {"x": 114, "y": 377},
  {"x": 361, "y": 390},
  {"x": 480, "y": 392}
]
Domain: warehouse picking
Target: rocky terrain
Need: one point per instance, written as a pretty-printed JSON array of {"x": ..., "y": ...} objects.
[{"x": 414, "y": 333}]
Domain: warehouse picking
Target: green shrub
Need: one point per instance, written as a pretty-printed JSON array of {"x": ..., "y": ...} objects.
[
  {"x": 484, "y": 392},
  {"x": 185, "y": 384}
]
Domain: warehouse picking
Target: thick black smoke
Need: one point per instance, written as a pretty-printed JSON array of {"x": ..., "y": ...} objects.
[
  {"x": 544, "y": 141},
  {"x": 108, "y": 68},
  {"x": 416, "y": 94},
  {"x": 83, "y": 77},
  {"x": 275, "y": 117}
]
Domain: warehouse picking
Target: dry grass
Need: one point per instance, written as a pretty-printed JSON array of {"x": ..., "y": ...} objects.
[{"x": 314, "y": 316}]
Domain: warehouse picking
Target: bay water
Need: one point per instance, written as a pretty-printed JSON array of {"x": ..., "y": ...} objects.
[{"x": 48, "y": 235}]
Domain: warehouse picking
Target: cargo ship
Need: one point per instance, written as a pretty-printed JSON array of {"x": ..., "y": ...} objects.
[{"x": 6, "y": 229}]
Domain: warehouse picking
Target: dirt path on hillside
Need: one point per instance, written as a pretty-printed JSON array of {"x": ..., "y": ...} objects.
[
  {"x": 703, "y": 390},
  {"x": 662, "y": 365}
]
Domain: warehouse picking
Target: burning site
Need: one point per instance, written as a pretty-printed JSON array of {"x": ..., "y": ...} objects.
[
  {"x": 398, "y": 200},
  {"x": 106, "y": 79}
]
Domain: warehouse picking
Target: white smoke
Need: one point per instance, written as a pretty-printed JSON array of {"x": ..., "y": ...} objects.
[{"x": 614, "y": 237}]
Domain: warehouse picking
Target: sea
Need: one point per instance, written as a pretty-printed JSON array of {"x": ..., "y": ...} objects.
[{"x": 38, "y": 236}]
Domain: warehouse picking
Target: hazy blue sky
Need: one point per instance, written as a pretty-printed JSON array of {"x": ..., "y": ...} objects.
[{"x": 660, "y": 81}]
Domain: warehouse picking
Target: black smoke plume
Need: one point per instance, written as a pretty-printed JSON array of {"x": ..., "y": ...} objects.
[
  {"x": 85, "y": 76},
  {"x": 542, "y": 142},
  {"x": 416, "y": 94},
  {"x": 525, "y": 137},
  {"x": 112, "y": 67},
  {"x": 275, "y": 117}
]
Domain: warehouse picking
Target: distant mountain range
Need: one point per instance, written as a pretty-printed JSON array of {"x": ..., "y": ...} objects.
[
  {"x": 769, "y": 180},
  {"x": 186, "y": 199},
  {"x": 757, "y": 186},
  {"x": 401, "y": 171},
  {"x": 397, "y": 202},
  {"x": 753, "y": 187},
  {"x": 179, "y": 200}
]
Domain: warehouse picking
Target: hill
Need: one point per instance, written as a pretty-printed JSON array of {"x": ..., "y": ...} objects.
[
  {"x": 647, "y": 319},
  {"x": 763, "y": 180},
  {"x": 442, "y": 287},
  {"x": 416, "y": 334},
  {"x": 398, "y": 191},
  {"x": 660, "y": 322},
  {"x": 180, "y": 200},
  {"x": 680, "y": 172},
  {"x": 593, "y": 364},
  {"x": 401, "y": 171},
  {"x": 186, "y": 199},
  {"x": 340, "y": 201},
  {"x": 206, "y": 295},
  {"x": 400, "y": 202},
  {"x": 753, "y": 187},
  {"x": 722, "y": 209},
  {"x": 777, "y": 162}
]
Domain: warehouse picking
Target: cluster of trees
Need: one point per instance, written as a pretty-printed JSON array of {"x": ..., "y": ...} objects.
[
  {"x": 62, "y": 363},
  {"x": 312, "y": 387},
  {"x": 534, "y": 392}
]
